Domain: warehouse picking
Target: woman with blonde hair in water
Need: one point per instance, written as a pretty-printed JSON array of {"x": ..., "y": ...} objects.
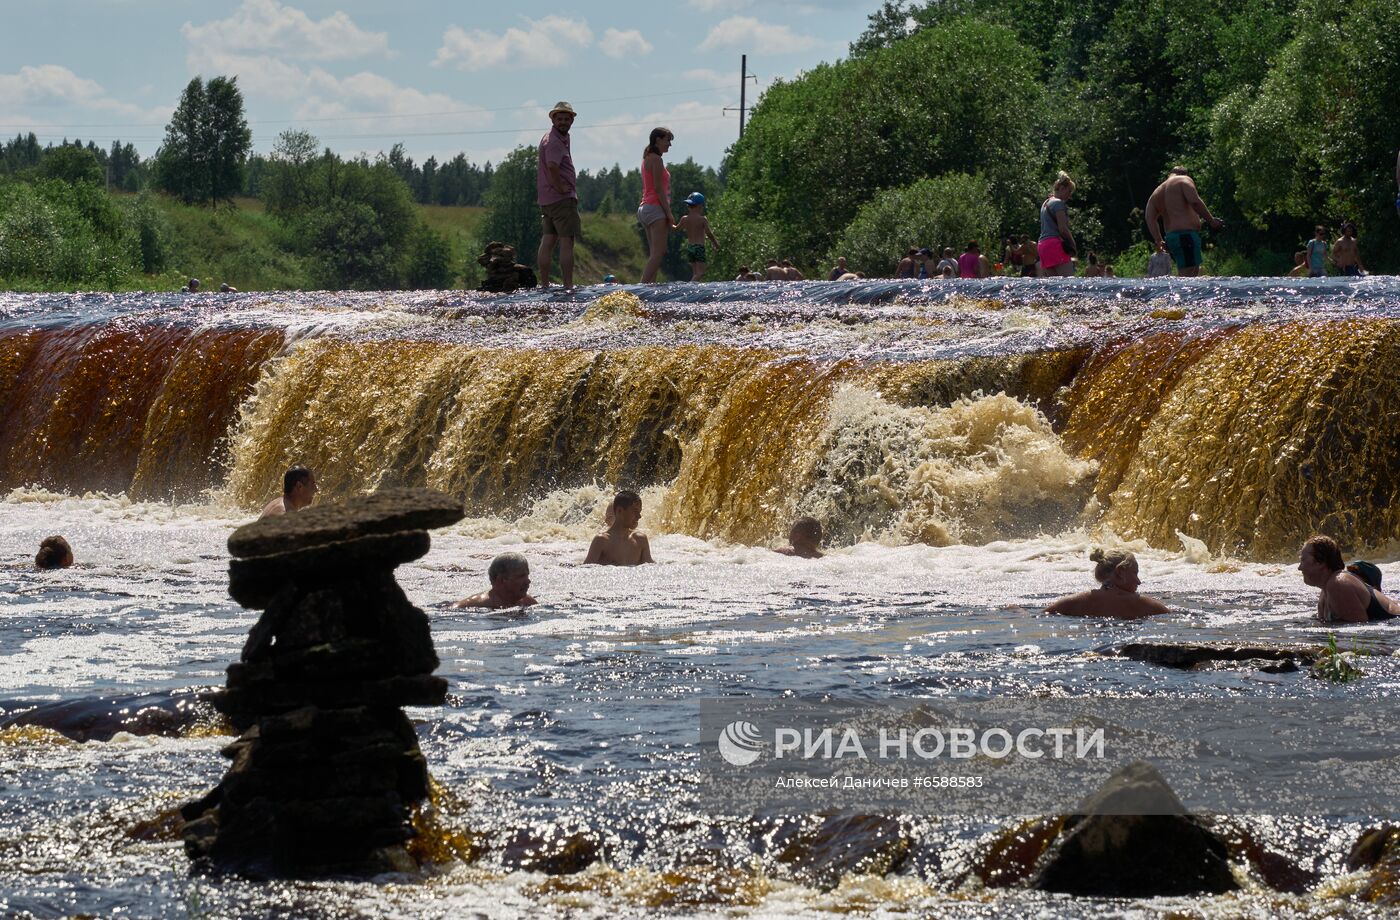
[
  {"x": 1116, "y": 571},
  {"x": 654, "y": 213}
]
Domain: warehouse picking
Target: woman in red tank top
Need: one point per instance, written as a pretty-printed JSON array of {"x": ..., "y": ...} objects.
[{"x": 654, "y": 213}]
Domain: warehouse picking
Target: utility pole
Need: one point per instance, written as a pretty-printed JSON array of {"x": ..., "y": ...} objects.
[{"x": 744, "y": 77}]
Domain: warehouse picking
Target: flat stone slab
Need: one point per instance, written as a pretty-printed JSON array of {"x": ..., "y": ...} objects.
[
  {"x": 1189, "y": 656},
  {"x": 386, "y": 512}
]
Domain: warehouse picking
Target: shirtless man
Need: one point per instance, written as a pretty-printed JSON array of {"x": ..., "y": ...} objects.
[
  {"x": 620, "y": 544},
  {"x": 1345, "y": 598},
  {"x": 1178, "y": 205},
  {"x": 1345, "y": 253},
  {"x": 1117, "y": 595},
  {"x": 298, "y": 491},
  {"x": 804, "y": 539},
  {"x": 774, "y": 271},
  {"x": 791, "y": 271},
  {"x": 509, "y": 574}
]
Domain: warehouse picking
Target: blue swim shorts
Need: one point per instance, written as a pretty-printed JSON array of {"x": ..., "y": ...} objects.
[{"x": 1185, "y": 247}]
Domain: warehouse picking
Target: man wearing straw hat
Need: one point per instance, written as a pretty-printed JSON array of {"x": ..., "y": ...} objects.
[{"x": 557, "y": 196}]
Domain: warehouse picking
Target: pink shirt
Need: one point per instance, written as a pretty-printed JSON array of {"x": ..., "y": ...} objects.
[
  {"x": 649, "y": 195},
  {"x": 968, "y": 264},
  {"x": 554, "y": 148}
]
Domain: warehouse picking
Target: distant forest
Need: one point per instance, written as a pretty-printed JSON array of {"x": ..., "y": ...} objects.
[{"x": 457, "y": 181}]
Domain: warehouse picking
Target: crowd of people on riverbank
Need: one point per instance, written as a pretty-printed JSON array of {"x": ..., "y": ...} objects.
[{"x": 1175, "y": 215}]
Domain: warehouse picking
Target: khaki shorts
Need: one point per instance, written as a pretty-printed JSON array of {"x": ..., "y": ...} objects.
[{"x": 561, "y": 218}]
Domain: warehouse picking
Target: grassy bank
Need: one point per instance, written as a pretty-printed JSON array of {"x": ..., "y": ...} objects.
[{"x": 245, "y": 247}]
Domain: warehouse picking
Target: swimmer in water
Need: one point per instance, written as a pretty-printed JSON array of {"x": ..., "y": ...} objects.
[
  {"x": 1344, "y": 598},
  {"x": 509, "y": 574},
  {"x": 804, "y": 539},
  {"x": 1116, "y": 571},
  {"x": 298, "y": 491},
  {"x": 54, "y": 553},
  {"x": 621, "y": 544}
]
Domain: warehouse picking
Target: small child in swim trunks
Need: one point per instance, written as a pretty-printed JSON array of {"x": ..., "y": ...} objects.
[{"x": 696, "y": 227}]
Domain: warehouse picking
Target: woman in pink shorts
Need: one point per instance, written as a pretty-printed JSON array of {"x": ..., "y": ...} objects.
[{"x": 1056, "y": 247}]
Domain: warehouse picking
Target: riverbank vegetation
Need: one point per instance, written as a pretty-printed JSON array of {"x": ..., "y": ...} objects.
[
  {"x": 947, "y": 121},
  {"x": 1284, "y": 111}
]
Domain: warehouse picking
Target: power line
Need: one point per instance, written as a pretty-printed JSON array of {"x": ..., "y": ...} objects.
[
  {"x": 334, "y": 137},
  {"x": 297, "y": 121}
]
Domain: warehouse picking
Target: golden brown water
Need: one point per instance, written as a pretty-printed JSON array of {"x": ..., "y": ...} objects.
[{"x": 1247, "y": 437}]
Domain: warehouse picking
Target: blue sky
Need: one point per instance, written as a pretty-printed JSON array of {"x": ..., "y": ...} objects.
[{"x": 441, "y": 77}]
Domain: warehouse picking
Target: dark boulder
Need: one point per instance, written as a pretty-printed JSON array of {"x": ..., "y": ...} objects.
[{"x": 1133, "y": 838}]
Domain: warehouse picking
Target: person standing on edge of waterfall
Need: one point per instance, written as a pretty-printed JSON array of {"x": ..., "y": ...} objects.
[
  {"x": 1177, "y": 205},
  {"x": 654, "y": 212},
  {"x": 557, "y": 196},
  {"x": 1056, "y": 247},
  {"x": 298, "y": 491},
  {"x": 620, "y": 544}
]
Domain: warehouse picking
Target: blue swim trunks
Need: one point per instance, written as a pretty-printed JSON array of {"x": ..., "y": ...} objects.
[{"x": 1185, "y": 247}]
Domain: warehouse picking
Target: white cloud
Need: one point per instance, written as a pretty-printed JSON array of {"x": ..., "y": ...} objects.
[
  {"x": 712, "y": 78},
  {"x": 748, "y": 33},
  {"x": 696, "y": 126},
  {"x": 55, "y": 85},
  {"x": 619, "y": 45},
  {"x": 545, "y": 42},
  {"x": 721, "y": 6},
  {"x": 267, "y": 27},
  {"x": 358, "y": 101}
]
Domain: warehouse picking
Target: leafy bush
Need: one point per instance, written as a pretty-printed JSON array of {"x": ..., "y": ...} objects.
[
  {"x": 821, "y": 146},
  {"x": 29, "y": 234},
  {"x": 946, "y": 211},
  {"x": 152, "y": 233},
  {"x": 429, "y": 261}
]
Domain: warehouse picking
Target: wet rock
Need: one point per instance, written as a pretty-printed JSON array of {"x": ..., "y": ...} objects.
[
  {"x": 552, "y": 850},
  {"x": 844, "y": 844},
  {"x": 503, "y": 273},
  {"x": 1274, "y": 869},
  {"x": 1014, "y": 853},
  {"x": 1371, "y": 846},
  {"x": 1195, "y": 656},
  {"x": 1380, "y": 847},
  {"x": 169, "y": 715},
  {"x": 1133, "y": 838},
  {"x": 387, "y": 512},
  {"x": 327, "y": 770}
]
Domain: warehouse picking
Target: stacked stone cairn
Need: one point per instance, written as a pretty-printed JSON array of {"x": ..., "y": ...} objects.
[
  {"x": 327, "y": 766},
  {"x": 503, "y": 273}
]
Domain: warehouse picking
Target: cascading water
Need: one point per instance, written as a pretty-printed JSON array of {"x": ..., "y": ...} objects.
[
  {"x": 1240, "y": 422},
  {"x": 964, "y": 445}
]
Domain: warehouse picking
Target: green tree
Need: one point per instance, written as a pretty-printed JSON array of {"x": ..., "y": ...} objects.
[
  {"x": 923, "y": 106},
  {"x": 1316, "y": 141},
  {"x": 288, "y": 185},
  {"x": 71, "y": 164},
  {"x": 946, "y": 211},
  {"x": 206, "y": 143},
  {"x": 512, "y": 216}
]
